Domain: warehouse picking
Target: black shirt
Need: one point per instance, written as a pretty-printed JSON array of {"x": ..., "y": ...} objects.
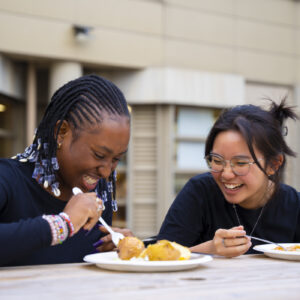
[
  {"x": 200, "y": 209},
  {"x": 25, "y": 237}
]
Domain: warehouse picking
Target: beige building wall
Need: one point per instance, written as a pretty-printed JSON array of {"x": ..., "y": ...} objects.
[
  {"x": 258, "y": 39},
  {"x": 163, "y": 54},
  {"x": 124, "y": 33}
]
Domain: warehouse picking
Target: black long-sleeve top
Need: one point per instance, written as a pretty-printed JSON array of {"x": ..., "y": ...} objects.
[
  {"x": 200, "y": 209},
  {"x": 25, "y": 237}
]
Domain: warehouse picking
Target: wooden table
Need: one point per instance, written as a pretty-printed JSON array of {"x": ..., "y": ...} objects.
[{"x": 246, "y": 277}]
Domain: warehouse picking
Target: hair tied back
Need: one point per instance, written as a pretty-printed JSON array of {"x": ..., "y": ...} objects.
[{"x": 282, "y": 112}]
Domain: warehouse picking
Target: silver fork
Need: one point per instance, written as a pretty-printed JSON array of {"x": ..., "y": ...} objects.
[
  {"x": 115, "y": 236},
  {"x": 266, "y": 241}
]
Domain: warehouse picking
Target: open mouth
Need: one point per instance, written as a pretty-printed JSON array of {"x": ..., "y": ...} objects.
[
  {"x": 232, "y": 186},
  {"x": 90, "y": 182}
]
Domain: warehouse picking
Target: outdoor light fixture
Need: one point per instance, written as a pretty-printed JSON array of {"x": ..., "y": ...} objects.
[{"x": 82, "y": 33}]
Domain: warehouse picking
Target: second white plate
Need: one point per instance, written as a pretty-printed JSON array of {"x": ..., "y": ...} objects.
[
  {"x": 110, "y": 261},
  {"x": 268, "y": 249}
]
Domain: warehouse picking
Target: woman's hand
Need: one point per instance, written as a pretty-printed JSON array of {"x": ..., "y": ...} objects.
[
  {"x": 106, "y": 244},
  {"x": 231, "y": 242},
  {"x": 84, "y": 210},
  {"x": 226, "y": 242}
]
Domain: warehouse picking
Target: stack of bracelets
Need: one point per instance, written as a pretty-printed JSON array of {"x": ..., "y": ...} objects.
[{"x": 61, "y": 227}]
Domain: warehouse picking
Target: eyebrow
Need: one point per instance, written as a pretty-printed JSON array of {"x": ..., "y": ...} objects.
[
  {"x": 236, "y": 156},
  {"x": 110, "y": 151}
]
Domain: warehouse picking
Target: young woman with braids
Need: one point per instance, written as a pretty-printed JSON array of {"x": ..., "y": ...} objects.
[
  {"x": 242, "y": 195},
  {"x": 79, "y": 142}
]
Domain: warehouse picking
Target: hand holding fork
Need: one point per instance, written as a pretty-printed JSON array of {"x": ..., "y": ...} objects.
[{"x": 115, "y": 236}]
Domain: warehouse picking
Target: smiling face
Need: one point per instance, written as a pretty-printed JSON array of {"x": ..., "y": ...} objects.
[
  {"x": 248, "y": 191},
  {"x": 90, "y": 154}
]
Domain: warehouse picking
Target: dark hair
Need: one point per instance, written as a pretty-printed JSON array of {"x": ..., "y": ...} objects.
[
  {"x": 82, "y": 100},
  {"x": 263, "y": 128}
]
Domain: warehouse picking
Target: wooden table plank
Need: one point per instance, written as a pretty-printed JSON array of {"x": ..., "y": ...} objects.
[{"x": 245, "y": 277}]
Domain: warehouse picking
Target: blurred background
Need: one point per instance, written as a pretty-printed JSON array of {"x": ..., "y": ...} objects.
[{"x": 178, "y": 62}]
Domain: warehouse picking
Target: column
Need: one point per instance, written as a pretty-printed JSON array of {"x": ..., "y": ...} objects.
[
  {"x": 61, "y": 73},
  {"x": 31, "y": 103}
]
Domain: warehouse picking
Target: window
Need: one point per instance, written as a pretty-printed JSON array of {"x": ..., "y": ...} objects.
[{"x": 192, "y": 126}]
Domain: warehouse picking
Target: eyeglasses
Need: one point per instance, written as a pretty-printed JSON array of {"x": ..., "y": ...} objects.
[{"x": 239, "y": 165}]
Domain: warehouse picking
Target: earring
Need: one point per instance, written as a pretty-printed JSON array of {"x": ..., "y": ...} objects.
[{"x": 59, "y": 146}]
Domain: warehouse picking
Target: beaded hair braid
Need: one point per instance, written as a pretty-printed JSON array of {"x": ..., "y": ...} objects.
[{"x": 81, "y": 100}]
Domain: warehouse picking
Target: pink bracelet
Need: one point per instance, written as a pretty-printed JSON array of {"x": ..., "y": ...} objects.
[
  {"x": 67, "y": 219},
  {"x": 59, "y": 229}
]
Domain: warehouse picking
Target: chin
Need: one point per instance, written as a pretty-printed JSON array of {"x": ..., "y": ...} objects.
[{"x": 233, "y": 200}]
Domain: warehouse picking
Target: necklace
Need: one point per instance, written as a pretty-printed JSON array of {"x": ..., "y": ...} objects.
[
  {"x": 266, "y": 194},
  {"x": 238, "y": 219}
]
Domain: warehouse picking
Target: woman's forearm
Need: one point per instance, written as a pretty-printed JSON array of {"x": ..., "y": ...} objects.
[{"x": 206, "y": 247}]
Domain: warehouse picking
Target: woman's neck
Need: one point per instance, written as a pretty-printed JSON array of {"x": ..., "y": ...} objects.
[
  {"x": 65, "y": 194},
  {"x": 260, "y": 201}
]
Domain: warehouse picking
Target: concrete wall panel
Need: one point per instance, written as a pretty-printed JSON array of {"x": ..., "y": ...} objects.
[
  {"x": 129, "y": 15},
  {"x": 265, "y": 67},
  {"x": 200, "y": 26},
  {"x": 199, "y": 56},
  {"x": 56, "y": 41},
  {"x": 220, "y": 6},
  {"x": 267, "y": 37},
  {"x": 120, "y": 14},
  {"x": 277, "y": 11},
  {"x": 54, "y": 9}
]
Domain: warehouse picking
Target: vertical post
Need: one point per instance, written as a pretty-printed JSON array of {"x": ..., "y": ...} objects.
[
  {"x": 61, "y": 73},
  {"x": 165, "y": 165},
  {"x": 31, "y": 103}
]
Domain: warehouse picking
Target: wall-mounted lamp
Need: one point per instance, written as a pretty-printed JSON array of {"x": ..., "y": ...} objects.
[{"x": 82, "y": 33}]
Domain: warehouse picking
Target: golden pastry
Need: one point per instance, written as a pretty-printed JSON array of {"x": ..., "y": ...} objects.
[{"x": 130, "y": 247}]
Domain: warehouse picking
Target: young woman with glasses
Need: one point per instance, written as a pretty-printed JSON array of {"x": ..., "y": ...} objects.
[{"x": 242, "y": 196}]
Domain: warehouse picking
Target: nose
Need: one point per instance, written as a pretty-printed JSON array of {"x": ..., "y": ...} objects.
[
  {"x": 105, "y": 170},
  {"x": 227, "y": 171}
]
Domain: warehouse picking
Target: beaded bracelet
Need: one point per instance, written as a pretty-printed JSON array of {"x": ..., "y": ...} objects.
[
  {"x": 67, "y": 219},
  {"x": 59, "y": 228},
  {"x": 52, "y": 227}
]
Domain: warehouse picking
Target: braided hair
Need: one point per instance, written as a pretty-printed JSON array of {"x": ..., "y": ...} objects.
[{"x": 78, "y": 101}]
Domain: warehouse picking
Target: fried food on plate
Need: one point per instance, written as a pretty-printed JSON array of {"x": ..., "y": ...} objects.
[
  {"x": 130, "y": 247},
  {"x": 162, "y": 250},
  {"x": 185, "y": 252}
]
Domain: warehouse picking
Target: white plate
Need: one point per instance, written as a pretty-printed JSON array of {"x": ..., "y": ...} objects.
[
  {"x": 268, "y": 249},
  {"x": 110, "y": 261}
]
